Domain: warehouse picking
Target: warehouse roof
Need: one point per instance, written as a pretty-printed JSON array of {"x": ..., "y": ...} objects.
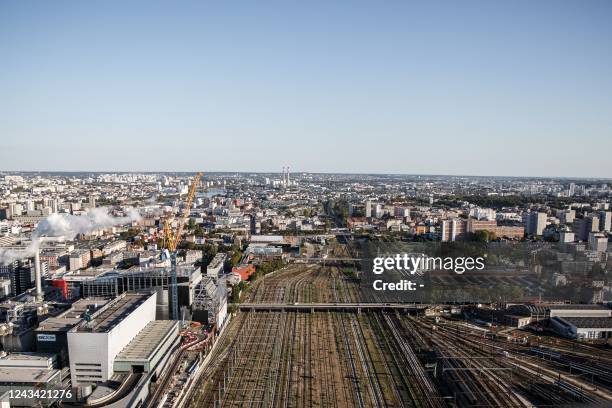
[
  {"x": 576, "y": 307},
  {"x": 73, "y": 316},
  {"x": 80, "y": 306},
  {"x": 58, "y": 324},
  {"x": 13, "y": 375},
  {"x": 114, "y": 312},
  {"x": 542, "y": 308},
  {"x": 148, "y": 341},
  {"x": 589, "y": 322}
]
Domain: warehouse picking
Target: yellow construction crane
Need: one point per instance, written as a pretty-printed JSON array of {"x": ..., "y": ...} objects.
[{"x": 173, "y": 238}]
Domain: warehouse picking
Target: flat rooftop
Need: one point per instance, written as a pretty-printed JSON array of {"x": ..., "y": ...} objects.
[
  {"x": 58, "y": 324},
  {"x": 135, "y": 271},
  {"x": 13, "y": 375},
  {"x": 73, "y": 316},
  {"x": 541, "y": 308},
  {"x": 80, "y": 306},
  {"x": 114, "y": 312},
  {"x": 82, "y": 274},
  {"x": 145, "y": 344},
  {"x": 576, "y": 307},
  {"x": 590, "y": 322},
  {"x": 218, "y": 260},
  {"x": 25, "y": 356}
]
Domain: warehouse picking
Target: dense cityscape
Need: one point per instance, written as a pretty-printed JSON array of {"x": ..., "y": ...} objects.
[
  {"x": 253, "y": 289},
  {"x": 321, "y": 204}
]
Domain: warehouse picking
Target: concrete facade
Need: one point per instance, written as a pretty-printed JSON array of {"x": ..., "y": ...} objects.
[{"x": 93, "y": 347}]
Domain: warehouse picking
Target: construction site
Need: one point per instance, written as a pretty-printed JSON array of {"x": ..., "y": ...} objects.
[{"x": 376, "y": 358}]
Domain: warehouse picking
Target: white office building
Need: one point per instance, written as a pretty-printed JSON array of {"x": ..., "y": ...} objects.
[{"x": 94, "y": 344}]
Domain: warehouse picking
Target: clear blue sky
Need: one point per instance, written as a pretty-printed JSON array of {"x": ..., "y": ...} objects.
[{"x": 469, "y": 87}]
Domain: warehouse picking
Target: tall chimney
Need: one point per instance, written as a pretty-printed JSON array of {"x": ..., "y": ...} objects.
[{"x": 39, "y": 292}]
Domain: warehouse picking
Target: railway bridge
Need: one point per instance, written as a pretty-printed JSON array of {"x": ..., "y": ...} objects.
[{"x": 342, "y": 307}]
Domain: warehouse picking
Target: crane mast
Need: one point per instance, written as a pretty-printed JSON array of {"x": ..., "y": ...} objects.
[{"x": 172, "y": 239}]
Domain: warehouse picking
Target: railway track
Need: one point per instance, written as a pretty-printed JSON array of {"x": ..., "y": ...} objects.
[
  {"x": 374, "y": 359},
  {"x": 527, "y": 375}
]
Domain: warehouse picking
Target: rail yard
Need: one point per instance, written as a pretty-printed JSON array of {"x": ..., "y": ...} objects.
[{"x": 386, "y": 358}]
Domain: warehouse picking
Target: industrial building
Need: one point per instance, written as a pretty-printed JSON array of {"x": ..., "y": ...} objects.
[
  {"x": 114, "y": 343},
  {"x": 28, "y": 360},
  {"x": 19, "y": 378},
  {"x": 591, "y": 328},
  {"x": 94, "y": 344},
  {"x": 138, "y": 364},
  {"x": 20, "y": 317},
  {"x": 27, "y": 371},
  {"x": 497, "y": 316},
  {"x": 264, "y": 251},
  {"x": 540, "y": 312},
  {"x": 51, "y": 335},
  {"x": 576, "y": 321},
  {"x": 144, "y": 352},
  {"x": 210, "y": 303},
  {"x": 113, "y": 282}
]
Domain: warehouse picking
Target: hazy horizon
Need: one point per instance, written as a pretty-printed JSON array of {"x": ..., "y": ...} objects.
[
  {"x": 205, "y": 172},
  {"x": 445, "y": 88}
]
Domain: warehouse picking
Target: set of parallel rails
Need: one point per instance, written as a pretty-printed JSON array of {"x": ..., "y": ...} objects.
[{"x": 524, "y": 379}]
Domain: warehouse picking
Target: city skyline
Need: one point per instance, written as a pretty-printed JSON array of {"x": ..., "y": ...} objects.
[
  {"x": 297, "y": 172},
  {"x": 150, "y": 289},
  {"x": 305, "y": 204},
  {"x": 471, "y": 89}
]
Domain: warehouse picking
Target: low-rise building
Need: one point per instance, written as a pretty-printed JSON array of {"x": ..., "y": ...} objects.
[
  {"x": 245, "y": 271},
  {"x": 583, "y": 327},
  {"x": 215, "y": 267},
  {"x": 148, "y": 347}
]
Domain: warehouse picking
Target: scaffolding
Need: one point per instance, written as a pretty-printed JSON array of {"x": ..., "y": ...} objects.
[{"x": 209, "y": 297}]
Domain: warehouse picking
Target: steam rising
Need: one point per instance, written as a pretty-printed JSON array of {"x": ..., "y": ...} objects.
[{"x": 68, "y": 226}]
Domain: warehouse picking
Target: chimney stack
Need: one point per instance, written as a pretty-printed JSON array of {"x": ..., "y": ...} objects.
[{"x": 39, "y": 292}]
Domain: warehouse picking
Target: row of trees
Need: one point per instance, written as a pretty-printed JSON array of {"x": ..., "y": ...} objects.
[
  {"x": 498, "y": 202},
  {"x": 471, "y": 294},
  {"x": 265, "y": 268}
]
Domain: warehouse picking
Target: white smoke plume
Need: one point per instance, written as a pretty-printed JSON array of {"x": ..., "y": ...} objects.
[
  {"x": 67, "y": 226},
  {"x": 8, "y": 256}
]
